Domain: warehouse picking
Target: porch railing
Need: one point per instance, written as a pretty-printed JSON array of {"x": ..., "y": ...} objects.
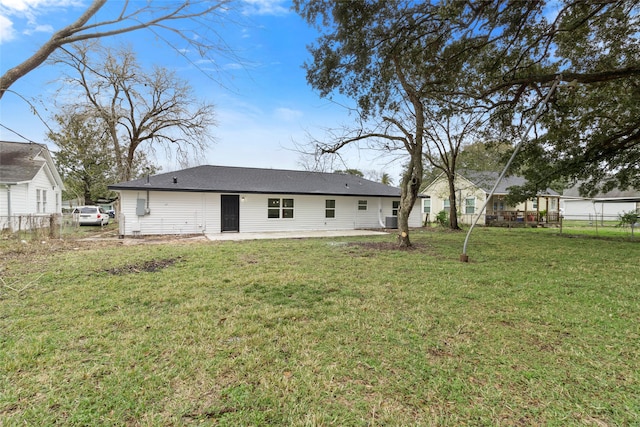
[{"x": 534, "y": 217}]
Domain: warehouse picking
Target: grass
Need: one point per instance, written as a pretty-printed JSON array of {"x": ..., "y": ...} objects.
[
  {"x": 537, "y": 329},
  {"x": 600, "y": 229}
]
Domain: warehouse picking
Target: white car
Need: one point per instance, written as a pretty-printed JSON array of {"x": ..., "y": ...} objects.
[{"x": 90, "y": 215}]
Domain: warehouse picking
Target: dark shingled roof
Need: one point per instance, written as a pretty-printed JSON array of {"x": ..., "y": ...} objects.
[
  {"x": 486, "y": 181},
  {"x": 613, "y": 195},
  {"x": 17, "y": 162},
  {"x": 226, "y": 179}
]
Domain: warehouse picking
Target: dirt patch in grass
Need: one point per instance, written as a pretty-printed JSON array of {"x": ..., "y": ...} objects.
[
  {"x": 146, "y": 267},
  {"x": 389, "y": 246}
]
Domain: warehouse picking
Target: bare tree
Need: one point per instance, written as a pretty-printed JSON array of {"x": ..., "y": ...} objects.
[
  {"x": 131, "y": 17},
  {"x": 138, "y": 110},
  {"x": 447, "y": 134}
]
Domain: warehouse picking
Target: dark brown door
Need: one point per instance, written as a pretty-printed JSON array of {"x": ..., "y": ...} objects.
[{"x": 230, "y": 212}]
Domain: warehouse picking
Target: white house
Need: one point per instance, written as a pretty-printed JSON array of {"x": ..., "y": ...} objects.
[
  {"x": 472, "y": 191},
  {"x": 30, "y": 186},
  {"x": 603, "y": 207},
  {"x": 218, "y": 199}
]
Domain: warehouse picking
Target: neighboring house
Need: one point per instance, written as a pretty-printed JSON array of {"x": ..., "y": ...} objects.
[
  {"x": 472, "y": 191},
  {"x": 603, "y": 207},
  {"x": 30, "y": 186},
  {"x": 217, "y": 199}
]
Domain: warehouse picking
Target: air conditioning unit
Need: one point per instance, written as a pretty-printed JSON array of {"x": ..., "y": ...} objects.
[{"x": 391, "y": 222}]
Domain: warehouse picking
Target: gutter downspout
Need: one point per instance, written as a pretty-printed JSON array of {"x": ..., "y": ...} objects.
[
  {"x": 9, "y": 207},
  {"x": 382, "y": 224}
]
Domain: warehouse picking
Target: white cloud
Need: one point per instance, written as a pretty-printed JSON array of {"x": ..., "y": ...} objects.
[
  {"x": 37, "y": 28},
  {"x": 24, "y": 5},
  {"x": 287, "y": 114},
  {"x": 265, "y": 7},
  {"x": 22, "y": 16},
  {"x": 234, "y": 66},
  {"x": 6, "y": 29}
]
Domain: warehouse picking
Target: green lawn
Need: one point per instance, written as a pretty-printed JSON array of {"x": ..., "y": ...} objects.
[{"x": 537, "y": 329}]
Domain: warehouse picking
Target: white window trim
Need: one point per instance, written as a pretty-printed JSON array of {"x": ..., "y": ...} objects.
[
  {"x": 326, "y": 209},
  {"x": 467, "y": 206},
  {"x": 424, "y": 202},
  {"x": 281, "y": 208}
]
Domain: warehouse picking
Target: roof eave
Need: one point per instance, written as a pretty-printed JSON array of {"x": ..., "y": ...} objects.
[{"x": 203, "y": 190}]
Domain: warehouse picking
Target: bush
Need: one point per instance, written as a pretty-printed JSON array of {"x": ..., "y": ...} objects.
[
  {"x": 442, "y": 218},
  {"x": 627, "y": 219}
]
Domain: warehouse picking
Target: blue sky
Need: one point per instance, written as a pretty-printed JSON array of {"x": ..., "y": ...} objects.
[{"x": 264, "y": 106}]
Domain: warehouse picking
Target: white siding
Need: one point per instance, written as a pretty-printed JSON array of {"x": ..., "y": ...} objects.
[
  {"x": 308, "y": 213},
  {"x": 19, "y": 200},
  {"x": 584, "y": 209},
  {"x": 193, "y": 213},
  {"x": 43, "y": 183},
  {"x": 24, "y": 197},
  {"x": 25, "y": 211},
  {"x": 168, "y": 213}
]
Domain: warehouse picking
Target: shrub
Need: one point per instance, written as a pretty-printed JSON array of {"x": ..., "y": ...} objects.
[
  {"x": 442, "y": 218},
  {"x": 627, "y": 219}
]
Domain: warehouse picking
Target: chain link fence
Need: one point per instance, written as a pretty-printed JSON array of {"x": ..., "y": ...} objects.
[{"x": 598, "y": 224}]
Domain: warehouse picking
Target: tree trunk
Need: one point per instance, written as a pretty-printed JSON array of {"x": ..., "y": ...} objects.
[
  {"x": 403, "y": 226},
  {"x": 411, "y": 181},
  {"x": 87, "y": 196},
  {"x": 453, "y": 205}
]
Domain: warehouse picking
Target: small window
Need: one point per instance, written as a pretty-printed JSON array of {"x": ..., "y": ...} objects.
[
  {"x": 287, "y": 208},
  {"x": 330, "y": 209},
  {"x": 470, "y": 205},
  {"x": 395, "y": 207},
  {"x": 362, "y": 205},
  {"x": 426, "y": 205},
  {"x": 44, "y": 201},
  {"x": 38, "y": 201},
  {"x": 274, "y": 208},
  {"x": 535, "y": 203},
  {"x": 446, "y": 205}
]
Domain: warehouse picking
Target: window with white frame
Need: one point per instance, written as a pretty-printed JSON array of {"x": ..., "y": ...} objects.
[
  {"x": 535, "y": 203},
  {"x": 274, "y": 208},
  {"x": 280, "y": 208},
  {"x": 470, "y": 205},
  {"x": 362, "y": 205},
  {"x": 287, "y": 208},
  {"x": 38, "y": 201},
  {"x": 44, "y": 201},
  {"x": 426, "y": 205},
  {"x": 330, "y": 208},
  {"x": 446, "y": 205}
]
